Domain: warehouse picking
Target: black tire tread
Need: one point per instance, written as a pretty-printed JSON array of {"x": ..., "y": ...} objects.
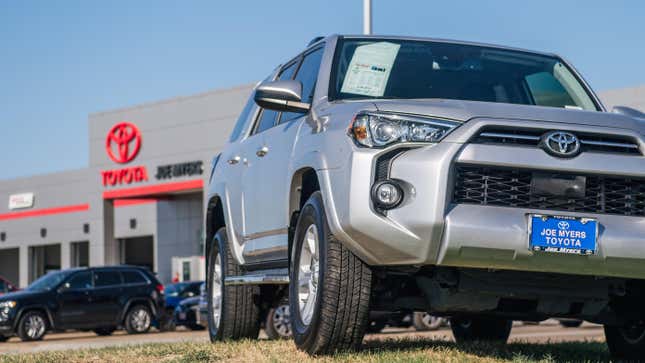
[
  {"x": 345, "y": 300},
  {"x": 489, "y": 329},
  {"x": 240, "y": 313},
  {"x": 622, "y": 349}
]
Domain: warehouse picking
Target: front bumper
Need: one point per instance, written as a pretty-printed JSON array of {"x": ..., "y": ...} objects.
[{"x": 427, "y": 229}]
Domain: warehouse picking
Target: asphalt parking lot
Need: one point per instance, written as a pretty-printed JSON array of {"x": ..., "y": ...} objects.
[{"x": 543, "y": 333}]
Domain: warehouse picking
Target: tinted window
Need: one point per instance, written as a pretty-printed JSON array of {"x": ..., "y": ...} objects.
[
  {"x": 3, "y": 287},
  {"x": 267, "y": 118},
  {"x": 241, "y": 121},
  {"x": 401, "y": 69},
  {"x": 134, "y": 277},
  {"x": 81, "y": 280},
  {"x": 307, "y": 75},
  {"x": 106, "y": 278}
]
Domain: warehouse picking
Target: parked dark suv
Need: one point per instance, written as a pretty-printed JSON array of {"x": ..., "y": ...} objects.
[{"x": 101, "y": 299}]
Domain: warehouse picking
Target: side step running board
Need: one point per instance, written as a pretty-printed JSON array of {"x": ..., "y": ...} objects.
[{"x": 262, "y": 277}]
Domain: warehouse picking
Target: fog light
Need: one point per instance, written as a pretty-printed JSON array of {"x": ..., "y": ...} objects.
[{"x": 387, "y": 194}]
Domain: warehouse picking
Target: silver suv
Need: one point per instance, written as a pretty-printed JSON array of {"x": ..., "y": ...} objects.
[{"x": 478, "y": 182}]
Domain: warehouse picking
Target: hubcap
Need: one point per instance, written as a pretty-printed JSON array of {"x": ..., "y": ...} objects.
[
  {"x": 35, "y": 326},
  {"x": 308, "y": 266},
  {"x": 429, "y": 320},
  {"x": 282, "y": 321},
  {"x": 216, "y": 291},
  {"x": 140, "y": 320}
]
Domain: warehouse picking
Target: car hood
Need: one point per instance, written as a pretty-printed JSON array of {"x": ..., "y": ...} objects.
[
  {"x": 467, "y": 110},
  {"x": 20, "y": 295}
]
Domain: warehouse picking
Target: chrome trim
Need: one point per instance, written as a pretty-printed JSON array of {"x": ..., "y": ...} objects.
[
  {"x": 509, "y": 136},
  {"x": 273, "y": 232},
  {"x": 500, "y": 135},
  {"x": 268, "y": 277},
  {"x": 610, "y": 144}
]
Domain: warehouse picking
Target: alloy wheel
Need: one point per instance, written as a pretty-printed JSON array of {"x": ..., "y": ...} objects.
[
  {"x": 35, "y": 326},
  {"x": 216, "y": 291},
  {"x": 307, "y": 274},
  {"x": 281, "y": 319}
]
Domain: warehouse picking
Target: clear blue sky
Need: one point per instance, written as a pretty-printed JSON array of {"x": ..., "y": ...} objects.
[{"x": 60, "y": 60}]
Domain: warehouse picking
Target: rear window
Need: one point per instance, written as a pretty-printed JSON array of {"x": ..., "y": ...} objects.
[
  {"x": 106, "y": 278},
  {"x": 134, "y": 277}
]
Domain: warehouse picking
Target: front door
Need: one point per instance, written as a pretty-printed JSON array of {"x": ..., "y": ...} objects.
[
  {"x": 74, "y": 299},
  {"x": 267, "y": 184}
]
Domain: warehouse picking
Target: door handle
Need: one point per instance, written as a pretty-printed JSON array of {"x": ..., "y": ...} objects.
[
  {"x": 234, "y": 160},
  {"x": 262, "y": 151}
]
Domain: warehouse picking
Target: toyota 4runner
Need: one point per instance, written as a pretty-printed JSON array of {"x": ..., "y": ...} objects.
[{"x": 478, "y": 182}]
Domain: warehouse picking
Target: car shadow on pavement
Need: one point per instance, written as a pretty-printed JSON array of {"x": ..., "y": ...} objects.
[{"x": 558, "y": 352}]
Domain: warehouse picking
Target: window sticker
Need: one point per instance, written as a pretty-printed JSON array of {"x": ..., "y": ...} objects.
[{"x": 369, "y": 69}]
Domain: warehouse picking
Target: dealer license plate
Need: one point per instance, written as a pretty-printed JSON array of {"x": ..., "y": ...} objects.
[{"x": 563, "y": 234}]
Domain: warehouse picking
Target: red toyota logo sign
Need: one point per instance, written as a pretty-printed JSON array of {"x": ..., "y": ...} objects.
[{"x": 125, "y": 139}]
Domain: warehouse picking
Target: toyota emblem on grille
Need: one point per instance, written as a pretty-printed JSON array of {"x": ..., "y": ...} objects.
[{"x": 561, "y": 143}]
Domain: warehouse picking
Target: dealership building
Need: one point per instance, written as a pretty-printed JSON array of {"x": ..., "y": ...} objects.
[{"x": 141, "y": 199}]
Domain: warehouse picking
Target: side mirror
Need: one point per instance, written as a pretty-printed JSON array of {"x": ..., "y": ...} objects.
[
  {"x": 64, "y": 287},
  {"x": 281, "y": 96},
  {"x": 628, "y": 111}
]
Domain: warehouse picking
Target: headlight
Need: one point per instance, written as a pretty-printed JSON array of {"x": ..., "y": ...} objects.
[
  {"x": 7, "y": 304},
  {"x": 376, "y": 129}
]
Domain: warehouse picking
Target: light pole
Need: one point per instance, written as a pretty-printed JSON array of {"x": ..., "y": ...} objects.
[{"x": 367, "y": 17}]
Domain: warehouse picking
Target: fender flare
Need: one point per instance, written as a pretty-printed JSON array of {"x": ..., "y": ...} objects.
[
  {"x": 135, "y": 301},
  {"x": 31, "y": 307}
]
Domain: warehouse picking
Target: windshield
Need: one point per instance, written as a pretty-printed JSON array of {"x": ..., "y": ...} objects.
[
  {"x": 48, "y": 281},
  {"x": 400, "y": 69}
]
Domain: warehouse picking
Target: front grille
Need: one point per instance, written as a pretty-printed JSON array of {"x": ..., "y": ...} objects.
[
  {"x": 531, "y": 138},
  {"x": 510, "y": 187}
]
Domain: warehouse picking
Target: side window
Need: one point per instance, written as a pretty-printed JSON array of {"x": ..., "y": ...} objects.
[
  {"x": 81, "y": 280},
  {"x": 241, "y": 120},
  {"x": 134, "y": 277},
  {"x": 3, "y": 287},
  {"x": 268, "y": 118},
  {"x": 106, "y": 278},
  {"x": 307, "y": 75}
]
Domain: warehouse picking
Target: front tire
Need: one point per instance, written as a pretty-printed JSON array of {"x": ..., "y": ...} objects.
[
  {"x": 232, "y": 311},
  {"x": 626, "y": 343},
  {"x": 104, "y": 332},
  {"x": 329, "y": 288},
  {"x": 32, "y": 326},
  {"x": 480, "y": 329}
]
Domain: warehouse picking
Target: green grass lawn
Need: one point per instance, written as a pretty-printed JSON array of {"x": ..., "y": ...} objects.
[{"x": 415, "y": 350}]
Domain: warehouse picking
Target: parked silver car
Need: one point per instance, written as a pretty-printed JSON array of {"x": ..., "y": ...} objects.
[{"x": 474, "y": 181}]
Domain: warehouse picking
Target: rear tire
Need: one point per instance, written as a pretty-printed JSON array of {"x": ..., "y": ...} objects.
[
  {"x": 104, "y": 332},
  {"x": 232, "y": 310},
  {"x": 571, "y": 323},
  {"x": 468, "y": 329},
  {"x": 626, "y": 343},
  {"x": 32, "y": 326},
  {"x": 138, "y": 320},
  {"x": 329, "y": 288}
]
